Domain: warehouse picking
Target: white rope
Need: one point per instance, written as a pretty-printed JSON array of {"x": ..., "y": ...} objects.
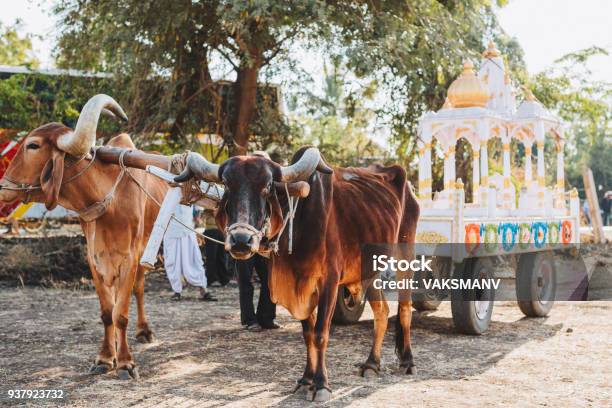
[
  {"x": 196, "y": 232},
  {"x": 159, "y": 204},
  {"x": 287, "y": 219}
]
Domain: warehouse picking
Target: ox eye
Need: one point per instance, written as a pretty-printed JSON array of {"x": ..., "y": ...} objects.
[{"x": 32, "y": 146}]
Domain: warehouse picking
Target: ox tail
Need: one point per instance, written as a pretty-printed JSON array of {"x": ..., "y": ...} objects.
[{"x": 399, "y": 334}]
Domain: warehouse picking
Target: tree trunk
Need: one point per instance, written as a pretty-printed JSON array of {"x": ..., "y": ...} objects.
[{"x": 245, "y": 91}]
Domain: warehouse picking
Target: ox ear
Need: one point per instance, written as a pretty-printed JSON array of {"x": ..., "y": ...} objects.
[{"x": 51, "y": 178}]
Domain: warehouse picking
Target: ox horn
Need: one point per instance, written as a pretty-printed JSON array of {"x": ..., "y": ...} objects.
[
  {"x": 303, "y": 168},
  {"x": 79, "y": 142},
  {"x": 199, "y": 167}
]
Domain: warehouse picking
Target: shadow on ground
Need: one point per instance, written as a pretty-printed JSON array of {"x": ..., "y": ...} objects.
[{"x": 201, "y": 355}]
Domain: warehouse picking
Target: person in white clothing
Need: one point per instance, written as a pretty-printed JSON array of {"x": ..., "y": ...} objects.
[{"x": 182, "y": 256}]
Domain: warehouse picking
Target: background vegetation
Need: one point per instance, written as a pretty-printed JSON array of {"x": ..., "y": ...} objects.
[{"x": 386, "y": 63}]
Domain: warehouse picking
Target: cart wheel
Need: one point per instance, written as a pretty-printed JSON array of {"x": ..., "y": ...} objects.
[
  {"x": 34, "y": 225},
  {"x": 348, "y": 308},
  {"x": 536, "y": 283},
  {"x": 54, "y": 223},
  {"x": 430, "y": 299},
  {"x": 472, "y": 309}
]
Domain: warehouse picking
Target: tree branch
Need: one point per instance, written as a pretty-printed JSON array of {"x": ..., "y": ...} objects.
[{"x": 227, "y": 58}]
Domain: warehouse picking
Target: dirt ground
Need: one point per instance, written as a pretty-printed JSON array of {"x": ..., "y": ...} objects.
[{"x": 202, "y": 357}]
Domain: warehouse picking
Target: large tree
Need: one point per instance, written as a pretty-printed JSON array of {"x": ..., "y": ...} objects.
[
  {"x": 147, "y": 43},
  {"x": 413, "y": 48}
]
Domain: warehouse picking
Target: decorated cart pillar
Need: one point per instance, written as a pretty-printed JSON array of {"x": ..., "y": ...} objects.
[
  {"x": 574, "y": 207},
  {"x": 528, "y": 171},
  {"x": 475, "y": 171},
  {"x": 482, "y": 128},
  {"x": 508, "y": 191},
  {"x": 450, "y": 158},
  {"x": 539, "y": 133},
  {"x": 560, "y": 199},
  {"x": 458, "y": 205}
]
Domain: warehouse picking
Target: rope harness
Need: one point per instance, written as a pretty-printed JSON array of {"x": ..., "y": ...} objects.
[
  {"x": 192, "y": 192},
  {"x": 31, "y": 187},
  {"x": 273, "y": 246},
  {"x": 287, "y": 219}
]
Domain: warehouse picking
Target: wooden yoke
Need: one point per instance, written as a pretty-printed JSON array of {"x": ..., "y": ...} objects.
[{"x": 133, "y": 158}]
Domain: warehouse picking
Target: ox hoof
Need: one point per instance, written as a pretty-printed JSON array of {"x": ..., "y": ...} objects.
[
  {"x": 319, "y": 395},
  {"x": 145, "y": 336},
  {"x": 127, "y": 373},
  {"x": 369, "y": 373},
  {"x": 301, "y": 387},
  {"x": 369, "y": 370},
  {"x": 411, "y": 370},
  {"x": 100, "y": 368}
]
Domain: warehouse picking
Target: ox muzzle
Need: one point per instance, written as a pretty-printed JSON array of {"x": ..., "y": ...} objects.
[{"x": 242, "y": 240}]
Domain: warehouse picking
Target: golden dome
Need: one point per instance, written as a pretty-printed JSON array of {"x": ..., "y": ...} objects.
[
  {"x": 491, "y": 51},
  {"x": 468, "y": 90}
]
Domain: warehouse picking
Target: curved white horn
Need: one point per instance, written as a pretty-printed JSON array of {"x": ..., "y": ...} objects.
[
  {"x": 303, "y": 168},
  {"x": 199, "y": 167},
  {"x": 79, "y": 142}
]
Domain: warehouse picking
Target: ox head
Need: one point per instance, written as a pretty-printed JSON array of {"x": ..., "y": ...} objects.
[
  {"x": 250, "y": 211},
  {"x": 37, "y": 170}
]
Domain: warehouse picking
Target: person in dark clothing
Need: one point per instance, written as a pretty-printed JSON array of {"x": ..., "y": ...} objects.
[
  {"x": 215, "y": 255},
  {"x": 606, "y": 207},
  {"x": 266, "y": 310}
]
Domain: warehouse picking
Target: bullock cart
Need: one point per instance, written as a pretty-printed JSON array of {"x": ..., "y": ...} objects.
[{"x": 507, "y": 216}]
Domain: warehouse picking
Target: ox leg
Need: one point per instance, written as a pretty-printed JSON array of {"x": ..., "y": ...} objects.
[
  {"x": 308, "y": 332},
  {"x": 320, "y": 390},
  {"x": 106, "y": 357},
  {"x": 126, "y": 368},
  {"x": 379, "y": 305},
  {"x": 402, "y": 336},
  {"x": 143, "y": 332}
]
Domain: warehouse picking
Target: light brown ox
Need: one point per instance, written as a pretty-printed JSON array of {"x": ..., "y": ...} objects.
[{"x": 54, "y": 166}]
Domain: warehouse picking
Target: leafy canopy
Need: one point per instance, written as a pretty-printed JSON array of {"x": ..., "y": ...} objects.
[{"x": 15, "y": 49}]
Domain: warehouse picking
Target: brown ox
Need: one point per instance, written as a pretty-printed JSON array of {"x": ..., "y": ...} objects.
[
  {"x": 345, "y": 209},
  {"x": 54, "y": 166}
]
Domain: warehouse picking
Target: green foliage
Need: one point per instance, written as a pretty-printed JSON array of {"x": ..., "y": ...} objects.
[
  {"x": 30, "y": 100},
  {"x": 161, "y": 53},
  {"x": 338, "y": 120},
  {"x": 412, "y": 50},
  {"x": 15, "y": 49},
  {"x": 586, "y": 106}
]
